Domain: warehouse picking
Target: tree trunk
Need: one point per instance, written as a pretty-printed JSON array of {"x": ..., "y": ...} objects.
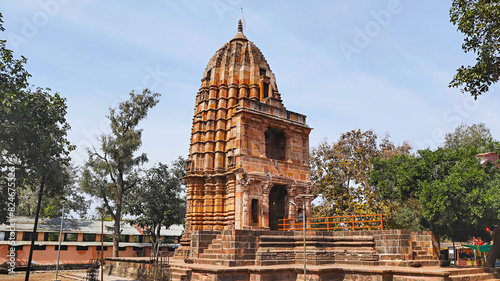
[
  {"x": 34, "y": 234},
  {"x": 116, "y": 237},
  {"x": 495, "y": 248},
  {"x": 158, "y": 242},
  {"x": 118, "y": 216}
]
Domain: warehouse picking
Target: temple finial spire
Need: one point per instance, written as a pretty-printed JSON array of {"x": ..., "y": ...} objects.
[
  {"x": 239, "y": 35},
  {"x": 240, "y": 26}
]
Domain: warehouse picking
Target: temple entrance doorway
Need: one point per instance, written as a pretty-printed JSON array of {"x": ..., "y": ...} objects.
[{"x": 277, "y": 206}]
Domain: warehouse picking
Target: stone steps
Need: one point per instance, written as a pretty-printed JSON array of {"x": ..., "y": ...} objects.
[
  {"x": 476, "y": 276},
  {"x": 410, "y": 263},
  {"x": 358, "y": 249},
  {"x": 180, "y": 274},
  {"x": 423, "y": 257},
  {"x": 358, "y": 262},
  {"x": 225, "y": 262}
]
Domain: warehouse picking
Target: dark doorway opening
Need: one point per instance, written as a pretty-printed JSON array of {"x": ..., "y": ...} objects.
[{"x": 277, "y": 206}]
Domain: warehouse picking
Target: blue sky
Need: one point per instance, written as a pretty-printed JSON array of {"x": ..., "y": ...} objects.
[{"x": 381, "y": 65}]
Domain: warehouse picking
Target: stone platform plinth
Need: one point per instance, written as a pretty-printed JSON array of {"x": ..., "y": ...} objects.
[
  {"x": 251, "y": 255},
  {"x": 264, "y": 247}
]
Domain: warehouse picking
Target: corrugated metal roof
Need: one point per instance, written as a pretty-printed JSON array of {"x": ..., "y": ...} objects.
[
  {"x": 79, "y": 243},
  {"x": 82, "y": 226}
]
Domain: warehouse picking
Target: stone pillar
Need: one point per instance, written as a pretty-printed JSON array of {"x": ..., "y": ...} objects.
[
  {"x": 243, "y": 91},
  {"x": 254, "y": 92},
  {"x": 208, "y": 205},
  {"x": 266, "y": 187},
  {"x": 245, "y": 214},
  {"x": 220, "y": 130},
  {"x": 229, "y": 202},
  {"x": 197, "y": 208},
  {"x": 219, "y": 203},
  {"x": 232, "y": 99}
]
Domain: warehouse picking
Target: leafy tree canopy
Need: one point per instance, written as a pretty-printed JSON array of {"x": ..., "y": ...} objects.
[
  {"x": 33, "y": 131},
  {"x": 112, "y": 173},
  {"x": 340, "y": 172},
  {"x": 445, "y": 190},
  {"x": 464, "y": 135},
  {"x": 479, "y": 21},
  {"x": 162, "y": 182}
]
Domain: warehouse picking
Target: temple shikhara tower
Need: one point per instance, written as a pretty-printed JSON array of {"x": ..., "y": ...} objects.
[
  {"x": 249, "y": 156},
  {"x": 248, "y": 161}
]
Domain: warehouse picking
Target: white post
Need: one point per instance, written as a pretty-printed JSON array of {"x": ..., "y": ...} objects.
[
  {"x": 303, "y": 197},
  {"x": 304, "y": 231},
  {"x": 102, "y": 244},
  {"x": 59, "y": 249}
]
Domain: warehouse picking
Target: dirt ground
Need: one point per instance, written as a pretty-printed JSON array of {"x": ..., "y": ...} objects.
[{"x": 40, "y": 275}]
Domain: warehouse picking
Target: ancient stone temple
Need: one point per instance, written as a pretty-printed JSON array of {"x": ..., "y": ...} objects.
[
  {"x": 249, "y": 155},
  {"x": 248, "y": 160}
]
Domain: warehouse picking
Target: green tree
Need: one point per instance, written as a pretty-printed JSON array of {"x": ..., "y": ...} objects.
[
  {"x": 340, "y": 172},
  {"x": 477, "y": 135},
  {"x": 396, "y": 180},
  {"x": 113, "y": 172},
  {"x": 459, "y": 202},
  {"x": 456, "y": 196},
  {"x": 479, "y": 21},
  {"x": 33, "y": 134},
  {"x": 51, "y": 206},
  {"x": 154, "y": 213}
]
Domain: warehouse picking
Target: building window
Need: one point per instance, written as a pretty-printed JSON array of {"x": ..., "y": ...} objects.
[
  {"x": 89, "y": 237},
  {"x": 275, "y": 143},
  {"x": 209, "y": 74},
  {"x": 122, "y": 248},
  {"x": 265, "y": 90},
  {"x": 63, "y": 247},
  {"x": 51, "y": 236},
  {"x": 139, "y": 251},
  {"x": 71, "y": 237},
  {"x": 124, "y": 238},
  {"x": 5, "y": 235},
  {"x": 255, "y": 211},
  {"x": 18, "y": 247},
  {"x": 99, "y": 248},
  {"x": 39, "y": 247},
  {"x": 27, "y": 236},
  {"x": 138, "y": 238},
  {"x": 262, "y": 72},
  {"x": 108, "y": 238},
  {"x": 82, "y": 248}
]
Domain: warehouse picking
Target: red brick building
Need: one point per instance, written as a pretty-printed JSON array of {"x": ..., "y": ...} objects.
[{"x": 81, "y": 241}]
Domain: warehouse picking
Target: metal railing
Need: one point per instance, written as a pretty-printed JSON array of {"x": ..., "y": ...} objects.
[
  {"x": 352, "y": 222},
  {"x": 159, "y": 266}
]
